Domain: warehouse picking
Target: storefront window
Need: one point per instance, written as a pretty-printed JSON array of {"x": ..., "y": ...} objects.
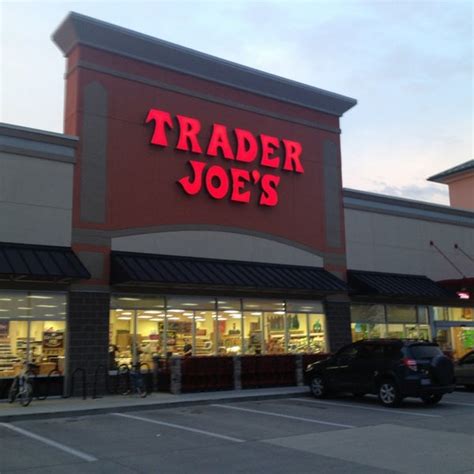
[
  {"x": 121, "y": 332},
  {"x": 260, "y": 304},
  {"x": 179, "y": 331},
  {"x": 253, "y": 332},
  {"x": 396, "y": 331},
  {"x": 368, "y": 313},
  {"x": 401, "y": 314},
  {"x": 456, "y": 341},
  {"x": 150, "y": 334},
  {"x": 204, "y": 335},
  {"x": 229, "y": 326},
  {"x": 374, "y": 321},
  {"x": 47, "y": 345},
  {"x": 143, "y": 327},
  {"x": 298, "y": 338},
  {"x": 303, "y": 306},
  {"x": 423, "y": 317},
  {"x": 275, "y": 332},
  {"x": 368, "y": 331},
  {"x": 137, "y": 302},
  {"x": 424, "y": 332},
  {"x": 32, "y": 328},
  {"x": 13, "y": 346},
  {"x": 317, "y": 330},
  {"x": 453, "y": 314}
]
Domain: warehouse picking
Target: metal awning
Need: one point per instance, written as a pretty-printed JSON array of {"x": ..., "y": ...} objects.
[
  {"x": 129, "y": 268},
  {"x": 395, "y": 285},
  {"x": 26, "y": 262}
]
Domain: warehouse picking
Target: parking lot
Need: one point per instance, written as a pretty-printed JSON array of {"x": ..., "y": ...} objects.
[{"x": 294, "y": 434}]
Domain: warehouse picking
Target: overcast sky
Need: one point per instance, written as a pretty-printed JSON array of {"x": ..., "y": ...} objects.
[{"x": 409, "y": 65}]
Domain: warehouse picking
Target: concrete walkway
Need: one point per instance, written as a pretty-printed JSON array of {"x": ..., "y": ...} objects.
[{"x": 60, "y": 407}]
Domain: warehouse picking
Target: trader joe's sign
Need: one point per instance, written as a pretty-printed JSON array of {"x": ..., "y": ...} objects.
[{"x": 253, "y": 158}]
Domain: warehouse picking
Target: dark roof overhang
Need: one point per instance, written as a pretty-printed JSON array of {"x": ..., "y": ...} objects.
[
  {"x": 453, "y": 172},
  {"x": 40, "y": 263},
  {"x": 130, "y": 269},
  {"x": 397, "y": 287}
]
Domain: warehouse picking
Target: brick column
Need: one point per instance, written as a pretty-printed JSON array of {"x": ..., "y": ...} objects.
[
  {"x": 87, "y": 337},
  {"x": 338, "y": 324}
]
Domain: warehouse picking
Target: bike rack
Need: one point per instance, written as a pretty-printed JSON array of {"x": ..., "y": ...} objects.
[
  {"x": 149, "y": 381},
  {"x": 48, "y": 379},
  {"x": 83, "y": 376}
]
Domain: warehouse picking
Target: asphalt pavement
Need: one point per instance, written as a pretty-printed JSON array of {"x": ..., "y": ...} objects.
[{"x": 277, "y": 435}]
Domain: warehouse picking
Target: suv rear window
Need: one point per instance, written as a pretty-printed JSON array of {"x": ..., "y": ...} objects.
[{"x": 425, "y": 351}]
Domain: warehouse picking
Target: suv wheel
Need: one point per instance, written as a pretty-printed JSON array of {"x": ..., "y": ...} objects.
[
  {"x": 318, "y": 386},
  {"x": 431, "y": 399},
  {"x": 389, "y": 394}
]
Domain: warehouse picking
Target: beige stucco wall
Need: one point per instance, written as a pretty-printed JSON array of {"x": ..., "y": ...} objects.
[
  {"x": 35, "y": 200},
  {"x": 461, "y": 192},
  {"x": 388, "y": 243},
  {"x": 217, "y": 244}
]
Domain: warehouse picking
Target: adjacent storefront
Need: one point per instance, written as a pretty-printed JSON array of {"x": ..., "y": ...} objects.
[
  {"x": 453, "y": 329},
  {"x": 374, "y": 321}
]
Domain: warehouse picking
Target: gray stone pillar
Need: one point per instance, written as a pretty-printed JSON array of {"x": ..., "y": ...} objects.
[
  {"x": 338, "y": 324},
  {"x": 87, "y": 336},
  {"x": 175, "y": 374},
  {"x": 299, "y": 370},
  {"x": 237, "y": 373}
]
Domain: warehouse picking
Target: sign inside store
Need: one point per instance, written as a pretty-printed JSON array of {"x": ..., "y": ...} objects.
[
  {"x": 263, "y": 153},
  {"x": 464, "y": 295}
]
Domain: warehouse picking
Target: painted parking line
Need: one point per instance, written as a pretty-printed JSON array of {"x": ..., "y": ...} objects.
[
  {"x": 458, "y": 403},
  {"x": 291, "y": 417},
  {"x": 180, "y": 427},
  {"x": 361, "y": 407},
  {"x": 50, "y": 442}
]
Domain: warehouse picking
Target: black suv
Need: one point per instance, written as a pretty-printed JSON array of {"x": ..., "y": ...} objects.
[{"x": 390, "y": 368}]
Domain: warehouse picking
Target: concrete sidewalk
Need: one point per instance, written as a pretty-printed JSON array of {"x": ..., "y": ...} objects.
[{"x": 60, "y": 407}]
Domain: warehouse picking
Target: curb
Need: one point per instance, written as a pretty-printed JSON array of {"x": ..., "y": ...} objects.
[{"x": 152, "y": 406}]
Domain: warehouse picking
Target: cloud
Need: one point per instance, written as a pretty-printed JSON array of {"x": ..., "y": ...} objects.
[{"x": 429, "y": 192}]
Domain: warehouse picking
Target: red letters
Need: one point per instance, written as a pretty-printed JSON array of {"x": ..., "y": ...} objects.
[
  {"x": 193, "y": 187},
  {"x": 239, "y": 178},
  {"x": 188, "y": 131},
  {"x": 217, "y": 182},
  {"x": 269, "y": 196},
  {"x": 293, "y": 156},
  {"x": 220, "y": 140},
  {"x": 161, "y": 119},
  {"x": 269, "y": 144},
  {"x": 247, "y": 147}
]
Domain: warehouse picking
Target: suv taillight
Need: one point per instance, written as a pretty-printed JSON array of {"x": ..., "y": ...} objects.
[{"x": 410, "y": 363}]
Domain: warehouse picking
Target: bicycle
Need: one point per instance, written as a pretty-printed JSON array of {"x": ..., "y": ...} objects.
[
  {"x": 136, "y": 382},
  {"x": 21, "y": 387}
]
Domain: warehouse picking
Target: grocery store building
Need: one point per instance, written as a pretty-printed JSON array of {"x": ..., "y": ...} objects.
[{"x": 194, "y": 207}]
